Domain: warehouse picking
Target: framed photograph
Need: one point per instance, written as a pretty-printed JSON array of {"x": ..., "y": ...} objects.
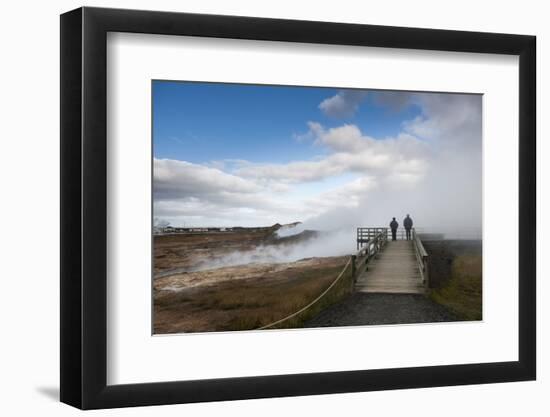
[{"x": 259, "y": 208}]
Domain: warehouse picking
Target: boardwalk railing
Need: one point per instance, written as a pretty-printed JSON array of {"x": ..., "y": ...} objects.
[
  {"x": 421, "y": 258},
  {"x": 367, "y": 234},
  {"x": 372, "y": 241}
]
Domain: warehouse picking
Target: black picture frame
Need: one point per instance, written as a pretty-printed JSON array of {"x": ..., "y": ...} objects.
[{"x": 84, "y": 207}]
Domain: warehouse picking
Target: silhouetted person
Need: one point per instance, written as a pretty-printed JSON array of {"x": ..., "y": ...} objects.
[
  {"x": 408, "y": 223},
  {"x": 394, "y": 225}
]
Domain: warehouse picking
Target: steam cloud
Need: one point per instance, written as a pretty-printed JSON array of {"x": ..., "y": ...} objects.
[{"x": 341, "y": 243}]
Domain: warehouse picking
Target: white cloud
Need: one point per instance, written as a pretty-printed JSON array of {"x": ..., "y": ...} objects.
[
  {"x": 293, "y": 172},
  {"x": 436, "y": 171},
  {"x": 347, "y": 138},
  {"x": 349, "y": 151},
  {"x": 202, "y": 195},
  {"x": 432, "y": 169},
  {"x": 347, "y": 195},
  {"x": 180, "y": 180},
  {"x": 254, "y": 194},
  {"x": 344, "y": 104},
  {"x": 451, "y": 119},
  {"x": 394, "y": 100}
]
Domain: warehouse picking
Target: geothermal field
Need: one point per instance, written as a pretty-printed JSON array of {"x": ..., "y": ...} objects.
[{"x": 241, "y": 278}]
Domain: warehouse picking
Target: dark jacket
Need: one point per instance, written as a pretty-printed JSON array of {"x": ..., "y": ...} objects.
[
  {"x": 394, "y": 224},
  {"x": 408, "y": 222}
]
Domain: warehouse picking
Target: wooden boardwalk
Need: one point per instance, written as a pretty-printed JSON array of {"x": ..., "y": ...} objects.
[{"x": 395, "y": 270}]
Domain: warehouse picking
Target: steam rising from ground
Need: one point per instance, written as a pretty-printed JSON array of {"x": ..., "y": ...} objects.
[
  {"x": 289, "y": 230},
  {"x": 339, "y": 242},
  {"x": 336, "y": 243}
]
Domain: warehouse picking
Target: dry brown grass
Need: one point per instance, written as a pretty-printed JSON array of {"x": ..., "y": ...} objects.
[
  {"x": 187, "y": 249},
  {"x": 245, "y": 304}
]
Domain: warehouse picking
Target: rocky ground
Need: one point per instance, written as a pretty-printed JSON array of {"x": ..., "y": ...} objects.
[
  {"x": 361, "y": 309},
  {"x": 241, "y": 297}
]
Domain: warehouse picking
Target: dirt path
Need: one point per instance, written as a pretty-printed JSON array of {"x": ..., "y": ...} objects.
[{"x": 369, "y": 309}]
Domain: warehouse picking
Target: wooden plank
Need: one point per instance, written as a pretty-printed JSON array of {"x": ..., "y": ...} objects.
[{"x": 395, "y": 270}]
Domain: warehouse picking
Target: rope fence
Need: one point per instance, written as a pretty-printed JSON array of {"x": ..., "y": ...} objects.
[
  {"x": 311, "y": 304},
  {"x": 358, "y": 262}
]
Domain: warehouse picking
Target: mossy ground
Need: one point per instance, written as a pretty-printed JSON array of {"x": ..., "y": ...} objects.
[{"x": 462, "y": 293}]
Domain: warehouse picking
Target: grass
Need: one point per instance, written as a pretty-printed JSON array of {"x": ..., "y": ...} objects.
[
  {"x": 342, "y": 288},
  {"x": 248, "y": 304},
  {"x": 462, "y": 294}
]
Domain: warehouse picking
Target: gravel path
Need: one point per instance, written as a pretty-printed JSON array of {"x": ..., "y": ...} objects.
[{"x": 368, "y": 309}]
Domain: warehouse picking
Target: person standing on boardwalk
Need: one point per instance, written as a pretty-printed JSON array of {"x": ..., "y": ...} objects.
[
  {"x": 394, "y": 225},
  {"x": 408, "y": 223}
]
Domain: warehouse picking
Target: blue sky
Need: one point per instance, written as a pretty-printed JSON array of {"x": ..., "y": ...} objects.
[
  {"x": 201, "y": 122},
  {"x": 254, "y": 155}
]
